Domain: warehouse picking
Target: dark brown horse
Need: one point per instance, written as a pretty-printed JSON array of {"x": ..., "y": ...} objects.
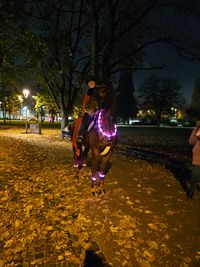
[
  {"x": 101, "y": 136},
  {"x": 102, "y": 139}
]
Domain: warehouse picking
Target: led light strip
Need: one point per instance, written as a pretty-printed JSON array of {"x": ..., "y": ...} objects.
[{"x": 100, "y": 121}]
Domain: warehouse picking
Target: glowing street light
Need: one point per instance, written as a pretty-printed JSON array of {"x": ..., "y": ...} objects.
[
  {"x": 26, "y": 93},
  {"x": 175, "y": 110}
]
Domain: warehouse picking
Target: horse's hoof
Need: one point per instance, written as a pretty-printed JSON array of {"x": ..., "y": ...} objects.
[
  {"x": 75, "y": 165},
  {"x": 93, "y": 192},
  {"x": 99, "y": 192}
]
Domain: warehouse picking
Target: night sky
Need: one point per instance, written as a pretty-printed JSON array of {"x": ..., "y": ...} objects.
[
  {"x": 186, "y": 72},
  {"x": 178, "y": 68}
]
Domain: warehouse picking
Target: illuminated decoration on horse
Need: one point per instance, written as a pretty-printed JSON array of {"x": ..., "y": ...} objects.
[
  {"x": 100, "y": 122},
  {"x": 101, "y": 175}
]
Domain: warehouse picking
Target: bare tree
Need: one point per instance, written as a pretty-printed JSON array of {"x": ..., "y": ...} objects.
[
  {"x": 127, "y": 28},
  {"x": 70, "y": 39},
  {"x": 59, "y": 29},
  {"x": 195, "y": 103},
  {"x": 160, "y": 94}
]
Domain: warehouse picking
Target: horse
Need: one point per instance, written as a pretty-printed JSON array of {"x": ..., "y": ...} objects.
[{"x": 101, "y": 136}]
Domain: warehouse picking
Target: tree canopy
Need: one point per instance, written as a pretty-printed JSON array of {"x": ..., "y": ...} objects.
[
  {"x": 160, "y": 94},
  {"x": 58, "y": 43}
]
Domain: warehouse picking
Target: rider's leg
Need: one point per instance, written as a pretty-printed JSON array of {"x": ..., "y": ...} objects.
[{"x": 83, "y": 127}]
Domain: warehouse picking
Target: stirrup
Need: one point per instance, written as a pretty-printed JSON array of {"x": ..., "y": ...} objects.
[{"x": 79, "y": 140}]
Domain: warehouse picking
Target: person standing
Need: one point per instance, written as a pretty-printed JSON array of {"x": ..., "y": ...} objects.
[{"x": 194, "y": 140}]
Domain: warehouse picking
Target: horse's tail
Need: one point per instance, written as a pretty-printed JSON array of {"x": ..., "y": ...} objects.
[{"x": 74, "y": 135}]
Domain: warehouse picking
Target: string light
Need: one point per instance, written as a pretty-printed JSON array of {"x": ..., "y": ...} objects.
[{"x": 105, "y": 133}]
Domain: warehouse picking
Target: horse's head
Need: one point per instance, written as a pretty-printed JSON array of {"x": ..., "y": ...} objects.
[{"x": 106, "y": 99}]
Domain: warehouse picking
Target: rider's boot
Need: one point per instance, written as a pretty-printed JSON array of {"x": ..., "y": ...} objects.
[{"x": 79, "y": 139}]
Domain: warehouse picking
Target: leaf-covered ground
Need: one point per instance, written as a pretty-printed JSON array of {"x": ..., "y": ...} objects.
[{"x": 48, "y": 216}]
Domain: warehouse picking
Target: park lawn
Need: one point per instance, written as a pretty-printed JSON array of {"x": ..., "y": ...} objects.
[{"x": 172, "y": 141}]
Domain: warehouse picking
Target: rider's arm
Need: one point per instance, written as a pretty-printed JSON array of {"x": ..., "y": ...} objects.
[{"x": 85, "y": 102}]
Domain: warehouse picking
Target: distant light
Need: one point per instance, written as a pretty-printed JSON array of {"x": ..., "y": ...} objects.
[
  {"x": 24, "y": 110},
  {"x": 0, "y": 102},
  {"x": 26, "y": 93},
  {"x": 70, "y": 118}
]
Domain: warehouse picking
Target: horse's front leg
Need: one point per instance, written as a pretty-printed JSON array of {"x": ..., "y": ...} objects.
[
  {"x": 104, "y": 163},
  {"x": 95, "y": 156},
  {"x": 94, "y": 178},
  {"x": 85, "y": 154}
]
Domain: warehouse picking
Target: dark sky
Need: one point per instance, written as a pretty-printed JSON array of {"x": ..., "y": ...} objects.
[{"x": 178, "y": 68}]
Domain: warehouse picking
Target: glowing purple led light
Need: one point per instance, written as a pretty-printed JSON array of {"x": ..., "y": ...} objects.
[
  {"x": 94, "y": 178},
  {"x": 107, "y": 134},
  {"x": 101, "y": 174}
]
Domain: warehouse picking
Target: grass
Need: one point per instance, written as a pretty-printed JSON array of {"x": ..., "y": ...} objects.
[
  {"x": 20, "y": 123},
  {"x": 170, "y": 141},
  {"x": 156, "y": 131}
]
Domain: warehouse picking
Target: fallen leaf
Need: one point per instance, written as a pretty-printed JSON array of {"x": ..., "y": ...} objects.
[
  {"x": 170, "y": 212},
  {"x": 152, "y": 244},
  {"x": 153, "y": 226}
]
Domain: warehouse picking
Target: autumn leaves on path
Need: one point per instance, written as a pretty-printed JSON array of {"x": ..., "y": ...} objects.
[{"x": 50, "y": 218}]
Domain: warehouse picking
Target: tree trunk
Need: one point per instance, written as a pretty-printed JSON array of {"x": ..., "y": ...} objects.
[
  {"x": 4, "y": 115},
  {"x": 158, "y": 119},
  {"x": 64, "y": 122},
  {"x": 94, "y": 44}
]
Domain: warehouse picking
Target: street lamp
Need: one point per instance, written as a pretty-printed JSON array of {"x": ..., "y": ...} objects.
[
  {"x": 26, "y": 93},
  {"x": 175, "y": 110}
]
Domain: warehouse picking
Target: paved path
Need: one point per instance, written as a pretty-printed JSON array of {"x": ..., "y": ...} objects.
[{"x": 50, "y": 218}]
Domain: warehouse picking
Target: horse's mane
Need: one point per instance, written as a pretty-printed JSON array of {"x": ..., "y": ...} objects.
[{"x": 106, "y": 99}]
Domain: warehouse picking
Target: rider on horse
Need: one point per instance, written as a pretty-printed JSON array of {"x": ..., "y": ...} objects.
[
  {"x": 86, "y": 118},
  {"x": 92, "y": 101}
]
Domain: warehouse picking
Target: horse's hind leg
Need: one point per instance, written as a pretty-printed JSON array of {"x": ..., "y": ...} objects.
[{"x": 94, "y": 177}]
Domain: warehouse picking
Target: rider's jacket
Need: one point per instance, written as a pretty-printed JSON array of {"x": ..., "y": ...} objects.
[
  {"x": 86, "y": 100},
  {"x": 89, "y": 103}
]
